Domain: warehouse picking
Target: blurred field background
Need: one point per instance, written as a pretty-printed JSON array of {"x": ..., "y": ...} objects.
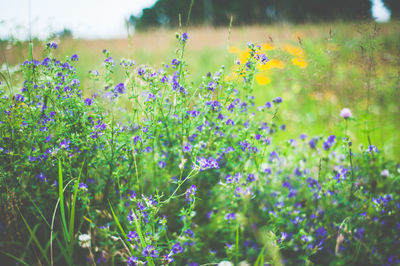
[{"x": 318, "y": 69}]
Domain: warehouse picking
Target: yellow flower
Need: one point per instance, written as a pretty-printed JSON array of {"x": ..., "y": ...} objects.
[
  {"x": 299, "y": 62},
  {"x": 297, "y": 51},
  {"x": 273, "y": 63},
  {"x": 245, "y": 55},
  {"x": 267, "y": 47},
  {"x": 262, "y": 80},
  {"x": 234, "y": 50}
]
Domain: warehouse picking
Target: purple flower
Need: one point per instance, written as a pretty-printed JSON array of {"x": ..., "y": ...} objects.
[
  {"x": 109, "y": 60},
  {"x": 185, "y": 36},
  {"x": 19, "y": 98},
  {"x": 88, "y": 101},
  {"x": 141, "y": 71},
  {"x": 190, "y": 193},
  {"x": 132, "y": 235},
  {"x": 133, "y": 261},
  {"x": 176, "y": 248},
  {"x": 313, "y": 143},
  {"x": 192, "y": 137},
  {"x": 65, "y": 144},
  {"x": 120, "y": 88},
  {"x": 162, "y": 164},
  {"x": 303, "y": 136},
  {"x": 277, "y": 100},
  {"x": 52, "y": 45},
  {"x": 251, "y": 178},
  {"x": 175, "y": 62},
  {"x": 215, "y": 105},
  {"x": 74, "y": 57},
  {"x": 82, "y": 186},
  {"x": 187, "y": 147},
  {"x": 230, "y": 122},
  {"x": 372, "y": 148},
  {"x": 230, "y": 216},
  {"x": 211, "y": 86},
  {"x": 48, "y": 138},
  {"x": 150, "y": 251},
  {"x": 207, "y": 163},
  {"x": 42, "y": 177},
  {"x": 137, "y": 139}
]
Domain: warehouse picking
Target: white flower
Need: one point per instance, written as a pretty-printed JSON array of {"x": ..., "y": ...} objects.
[
  {"x": 346, "y": 113},
  {"x": 84, "y": 240},
  {"x": 385, "y": 173},
  {"x": 225, "y": 263}
]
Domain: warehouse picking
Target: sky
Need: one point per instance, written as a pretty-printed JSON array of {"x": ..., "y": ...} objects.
[{"x": 87, "y": 19}]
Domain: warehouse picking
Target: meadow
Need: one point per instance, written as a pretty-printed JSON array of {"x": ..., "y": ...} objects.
[{"x": 245, "y": 146}]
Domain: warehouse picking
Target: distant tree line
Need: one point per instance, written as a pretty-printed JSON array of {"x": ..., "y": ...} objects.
[{"x": 245, "y": 12}]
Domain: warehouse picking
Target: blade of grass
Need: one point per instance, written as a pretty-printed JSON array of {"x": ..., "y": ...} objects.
[
  {"x": 260, "y": 258},
  {"x": 37, "y": 208},
  {"x": 67, "y": 257},
  {"x": 52, "y": 223},
  {"x": 120, "y": 227},
  {"x": 61, "y": 198},
  {"x": 72, "y": 215},
  {"x": 34, "y": 238},
  {"x": 13, "y": 257}
]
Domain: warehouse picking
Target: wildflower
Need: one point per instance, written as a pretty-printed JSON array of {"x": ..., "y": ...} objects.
[
  {"x": 185, "y": 36},
  {"x": 83, "y": 186},
  {"x": 176, "y": 248},
  {"x": 190, "y": 193},
  {"x": 230, "y": 216},
  {"x": 230, "y": 122},
  {"x": 74, "y": 57},
  {"x": 262, "y": 79},
  {"x": 52, "y": 45},
  {"x": 19, "y": 98},
  {"x": 284, "y": 235},
  {"x": 42, "y": 177},
  {"x": 296, "y": 51},
  {"x": 137, "y": 139},
  {"x": 131, "y": 217},
  {"x": 207, "y": 163},
  {"x": 88, "y": 101},
  {"x": 187, "y": 147},
  {"x": 150, "y": 251},
  {"x": 300, "y": 62},
  {"x": 132, "y": 235},
  {"x": 385, "y": 173},
  {"x": 48, "y": 138},
  {"x": 346, "y": 113},
  {"x": 277, "y": 100},
  {"x": 65, "y": 144},
  {"x": 211, "y": 86},
  {"x": 141, "y": 71},
  {"x": 313, "y": 143},
  {"x": 175, "y": 62},
  {"x": 162, "y": 164},
  {"x": 372, "y": 148},
  {"x": 120, "y": 88},
  {"x": 133, "y": 261},
  {"x": 84, "y": 240},
  {"x": 225, "y": 263}
]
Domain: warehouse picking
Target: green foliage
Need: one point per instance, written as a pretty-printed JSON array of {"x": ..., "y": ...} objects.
[{"x": 160, "y": 169}]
